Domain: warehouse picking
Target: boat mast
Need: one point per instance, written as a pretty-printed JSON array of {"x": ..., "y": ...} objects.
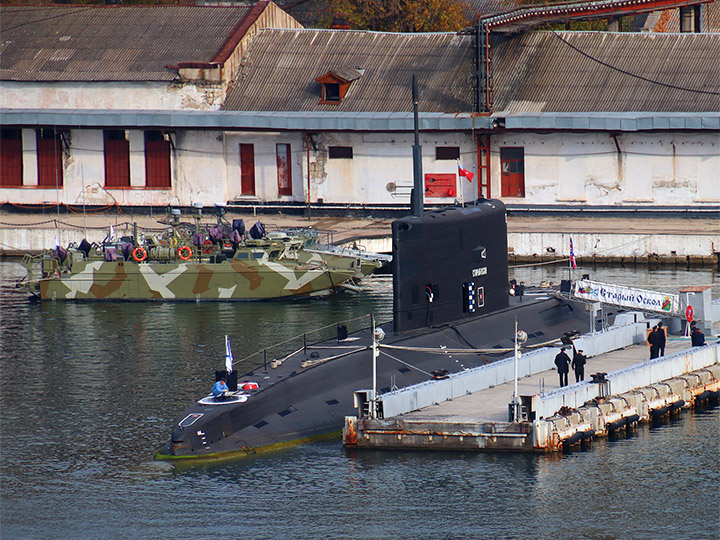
[{"x": 418, "y": 192}]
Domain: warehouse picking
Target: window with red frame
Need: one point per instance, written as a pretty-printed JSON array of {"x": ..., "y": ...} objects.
[
  {"x": 117, "y": 159},
  {"x": 284, "y": 169},
  {"x": 11, "y": 158}
]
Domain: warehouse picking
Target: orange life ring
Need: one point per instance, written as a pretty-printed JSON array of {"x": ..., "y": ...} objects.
[
  {"x": 184, "y": 252},
  {"x": 208, "y": 247},
  {"x": 139, "y": 254}
]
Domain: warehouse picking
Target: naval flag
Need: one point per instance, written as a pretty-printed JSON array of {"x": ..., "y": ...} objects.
[
  {"x": 464, "y": 172},
  {"x": 228, "y": 356},
  {"x": 573, "y": 262}
]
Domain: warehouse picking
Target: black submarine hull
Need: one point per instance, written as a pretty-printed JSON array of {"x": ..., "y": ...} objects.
[{"x": 450, "y": 291}]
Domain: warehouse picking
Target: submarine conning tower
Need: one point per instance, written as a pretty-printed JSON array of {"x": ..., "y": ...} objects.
[{"x": 449, "y": 265}]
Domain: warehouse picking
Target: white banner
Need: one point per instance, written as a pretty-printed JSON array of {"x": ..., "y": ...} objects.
[{"x": 660, "y": 302}]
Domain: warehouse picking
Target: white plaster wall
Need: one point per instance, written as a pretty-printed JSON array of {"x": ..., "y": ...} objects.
[
  {"x": 266, "y": 184},
  {"x": 662, "y": 169},
  {"x": 380, "y": 159},
  {"x": 109, "y": 95},
  {"x": 586, "y": 168}
]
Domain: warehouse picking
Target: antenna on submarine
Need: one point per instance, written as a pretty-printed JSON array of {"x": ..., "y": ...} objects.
[{"x": 417, "y": 195}]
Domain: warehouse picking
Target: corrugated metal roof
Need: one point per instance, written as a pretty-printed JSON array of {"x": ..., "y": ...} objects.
[
  {"x": 109, "y": 43},
  {"x": 602, "y": 71},
  {"x": 281, "y": 66}
]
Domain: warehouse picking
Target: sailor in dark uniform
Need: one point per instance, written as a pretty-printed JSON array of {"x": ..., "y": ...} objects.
[
  {"x": 578, "y": 364},
  {"x": 562, "y": 361},
  {"x": 697, "y": 338},
  {"x": 652, "y": 341},
  {"x": 661, "y": 339}
]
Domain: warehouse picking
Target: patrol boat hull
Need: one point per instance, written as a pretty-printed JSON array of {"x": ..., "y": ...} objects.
[
  {"x": 169, "y": 269},
  {"x": 450, "y": 294}
]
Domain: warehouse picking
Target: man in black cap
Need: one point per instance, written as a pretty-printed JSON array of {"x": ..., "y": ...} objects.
[
  {"x": 661, "y": 338},
  {"x": 562, "y": 361},
  {"x": 578, "y": 364}
]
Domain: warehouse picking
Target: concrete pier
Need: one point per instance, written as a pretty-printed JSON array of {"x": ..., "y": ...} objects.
[
  {"x": 637, "y": 389},
  {"x": 600, "y": 239}
]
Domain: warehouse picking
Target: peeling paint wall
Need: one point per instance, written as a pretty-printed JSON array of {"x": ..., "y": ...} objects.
[
  {"x": 673, "y": 169},
  {"x": 605, "y": 169},
  {"x": 176, "y": 95}
]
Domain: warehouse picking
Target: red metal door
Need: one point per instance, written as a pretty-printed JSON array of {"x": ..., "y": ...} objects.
[
  {"x": 157, "y": 161},
  {"x": 284, "y": 170},
  {"x": 49, "y": 158},
  {"x": 247, "y": 169},
  {"x": 117, "y": 160},
  {"x": 512, "y": 170}
]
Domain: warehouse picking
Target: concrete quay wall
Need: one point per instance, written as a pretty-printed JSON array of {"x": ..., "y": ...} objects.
[
  {"x": 537, "y": 239},
  {"x": 603, "y": 416},
  {"x": 624, "y": 380}
]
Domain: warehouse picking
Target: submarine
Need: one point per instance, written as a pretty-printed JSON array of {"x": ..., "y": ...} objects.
[{"x": 451, "y": 311}]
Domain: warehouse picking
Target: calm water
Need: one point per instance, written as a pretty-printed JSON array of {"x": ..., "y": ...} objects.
[{"x": 89, "y": 391}]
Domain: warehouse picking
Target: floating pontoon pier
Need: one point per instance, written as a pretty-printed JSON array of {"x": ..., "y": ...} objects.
[{"x": 474, "y": 409}]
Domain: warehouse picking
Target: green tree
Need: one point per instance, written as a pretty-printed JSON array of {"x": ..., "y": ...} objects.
[{"x": 401, "y": 15}]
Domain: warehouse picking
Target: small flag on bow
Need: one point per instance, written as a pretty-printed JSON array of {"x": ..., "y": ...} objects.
[
  {"x": 573, "y": 263},
  {"x": 228, "y": 356}
]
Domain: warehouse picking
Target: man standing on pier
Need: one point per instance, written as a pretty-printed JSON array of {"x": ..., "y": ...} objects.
[
  {"x": 652, "y": 341},
  {"x": 562, "y": 361},
  {"x": 578, "y": 364},
  {"x": 661, "y": 339}
]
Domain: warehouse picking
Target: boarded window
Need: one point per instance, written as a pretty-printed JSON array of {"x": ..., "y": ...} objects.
[
  {"x": 49, "y": 158},
  {"x": 157, "y": 160},
  {"x": 11, "y": 162},
  {"x": 447, "y": 152},
  {"x": 247, "y": 169},
  {"x": 340, "y": 152},
  {"x": 284, "y": 169},
  {"x": 117, "y": 159},
  {"x": 512, "y": 171}
]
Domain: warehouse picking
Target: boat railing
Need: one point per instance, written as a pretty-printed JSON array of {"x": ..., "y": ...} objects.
[{"x": 299, "y": 345}]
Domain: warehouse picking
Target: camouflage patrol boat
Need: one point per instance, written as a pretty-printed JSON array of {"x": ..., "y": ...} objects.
[
  {"x": 182, "y": 264},
  {"x": 451, "y": 311}
]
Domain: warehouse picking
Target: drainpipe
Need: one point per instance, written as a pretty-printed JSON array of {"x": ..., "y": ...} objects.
[{"x": 307, "y": 145}]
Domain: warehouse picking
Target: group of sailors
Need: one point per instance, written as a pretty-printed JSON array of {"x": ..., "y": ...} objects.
[{"x": 657, "y": 339}]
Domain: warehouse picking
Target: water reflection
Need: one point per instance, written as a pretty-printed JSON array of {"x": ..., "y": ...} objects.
[{"x": 88, "y": 392}]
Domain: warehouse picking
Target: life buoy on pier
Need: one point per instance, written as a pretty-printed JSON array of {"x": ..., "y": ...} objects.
[
  {"x": 139, "y": 254},
  {"x": 184, "y": 252}
]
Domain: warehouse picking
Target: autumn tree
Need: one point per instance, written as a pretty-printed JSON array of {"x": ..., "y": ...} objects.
[{"x": 402, "y": 15}]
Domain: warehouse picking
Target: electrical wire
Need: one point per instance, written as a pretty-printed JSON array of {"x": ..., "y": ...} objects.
[{"x": 624, "y": 72}]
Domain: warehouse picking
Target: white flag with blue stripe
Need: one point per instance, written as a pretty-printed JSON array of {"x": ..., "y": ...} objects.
[{"x": 228, "y": 356}]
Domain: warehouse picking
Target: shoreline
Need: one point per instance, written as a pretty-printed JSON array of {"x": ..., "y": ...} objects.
[{"x": 540, "y": 239}]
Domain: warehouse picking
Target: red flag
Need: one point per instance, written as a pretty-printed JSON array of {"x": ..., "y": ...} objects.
[{"x": 464, "y": 172}]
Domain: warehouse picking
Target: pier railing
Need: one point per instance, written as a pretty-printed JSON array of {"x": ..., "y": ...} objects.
[{"x": 473, "y": 380}]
